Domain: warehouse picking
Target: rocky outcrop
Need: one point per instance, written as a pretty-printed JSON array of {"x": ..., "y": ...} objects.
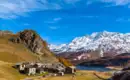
[{"x": 31, "y": 40}]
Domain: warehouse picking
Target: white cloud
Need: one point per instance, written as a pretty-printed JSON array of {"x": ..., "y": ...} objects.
[
  {"x": 54, "y": 20},
  {"x": 46, "y": 38},
  {"x": 117, "y": 2},
  {"x": 88, "y": 2},
  {"x": 90, "y": 16},
  {"x": 129, "y": 19},
  {"x": 123, "y": 19},
  {"x": 119, "y": 19},
  {"x": 57, "y": 19},
  {"x": 14, "y": 8},
  {"x": 26, "y": 24},
  {"x": 111, "y": 2},
  {"x": 71, "y": 1},
  {"x": 53, "y": 27}
]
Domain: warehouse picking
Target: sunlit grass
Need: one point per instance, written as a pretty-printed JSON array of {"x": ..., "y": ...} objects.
[{"x": 8, "y": 72}]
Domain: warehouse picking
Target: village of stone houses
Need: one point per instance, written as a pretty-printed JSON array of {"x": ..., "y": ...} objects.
[{"x": 49, "y": 69}]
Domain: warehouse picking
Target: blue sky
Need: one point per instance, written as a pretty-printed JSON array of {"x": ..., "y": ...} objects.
[{"x": 59, "y": 21}]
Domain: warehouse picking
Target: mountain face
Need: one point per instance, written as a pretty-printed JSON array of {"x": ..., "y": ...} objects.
[{"x": 108, "y": 42}]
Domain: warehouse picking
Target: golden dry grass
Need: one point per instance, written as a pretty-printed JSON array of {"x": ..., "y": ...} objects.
[
  {"x": 9, "y": 73},
  {"x": 11, "y": 52},
  {"x": 80, "y": 75}
]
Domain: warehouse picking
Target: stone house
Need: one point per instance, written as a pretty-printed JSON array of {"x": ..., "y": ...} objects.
[
  {"x": 40, "y": 70},
  {"x": 17, "y": 65},
  {"x": 70, "y": 70},
  {"x": 30, "y": 70},
  {"x": 21, "y": 67}
]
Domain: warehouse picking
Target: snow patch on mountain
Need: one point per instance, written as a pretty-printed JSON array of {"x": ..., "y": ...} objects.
[{"x": 107, "y": 41}]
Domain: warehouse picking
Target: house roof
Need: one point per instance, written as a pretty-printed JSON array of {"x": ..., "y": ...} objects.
[{"x": 73, "y": 67}]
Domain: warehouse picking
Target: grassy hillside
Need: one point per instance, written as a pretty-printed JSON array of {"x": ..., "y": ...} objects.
[
  {"x": 11, "y": 52},
  {"x": 9, "y": 73},
  {"x": 14, "y": 52},
  {"x": 35, "y": 44}
]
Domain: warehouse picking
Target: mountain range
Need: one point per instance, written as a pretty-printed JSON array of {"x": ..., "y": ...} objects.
[
  {"x": 113, "y": 42},
  {"x": 94, "y": 46}
]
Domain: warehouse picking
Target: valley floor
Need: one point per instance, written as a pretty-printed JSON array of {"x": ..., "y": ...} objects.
[
  {"x": 80, "y": 75},
  {"x": 9, "y": 73}
]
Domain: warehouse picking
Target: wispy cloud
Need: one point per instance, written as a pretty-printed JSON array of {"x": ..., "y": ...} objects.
[
  {"x": 90, "y": 16},
  {"x": 117, "y": 2},
  {"x": 10, "y": 9},
  {"x": 71, "y": 1},
  {"x": 53, "y": 27},
  {"x": 111, "y": 2},
  {"x": 26, "y": 24},
  {"x": 57, "y": 19},
  {"x": 123, "y": 19},
  {"x": 14, "y": 8},
  {"x": 54, "y": 20},
  {"x": 88, "y": 2}
]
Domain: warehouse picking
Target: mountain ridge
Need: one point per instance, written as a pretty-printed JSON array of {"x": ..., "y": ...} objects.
[{"x": 107, "y": 41}]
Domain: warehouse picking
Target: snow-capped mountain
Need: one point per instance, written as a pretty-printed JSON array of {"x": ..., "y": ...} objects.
[{"x": 107, "y": 41}]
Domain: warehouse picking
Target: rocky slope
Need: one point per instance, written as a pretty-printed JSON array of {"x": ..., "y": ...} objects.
[
  {"x": 32, "y": 41},
  {"x": 26, "y": 45}
]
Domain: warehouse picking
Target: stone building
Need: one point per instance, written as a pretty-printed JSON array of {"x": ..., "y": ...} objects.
[
  {"x": 33, "y": 68},
  {"x": 70, "y": 69}
]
